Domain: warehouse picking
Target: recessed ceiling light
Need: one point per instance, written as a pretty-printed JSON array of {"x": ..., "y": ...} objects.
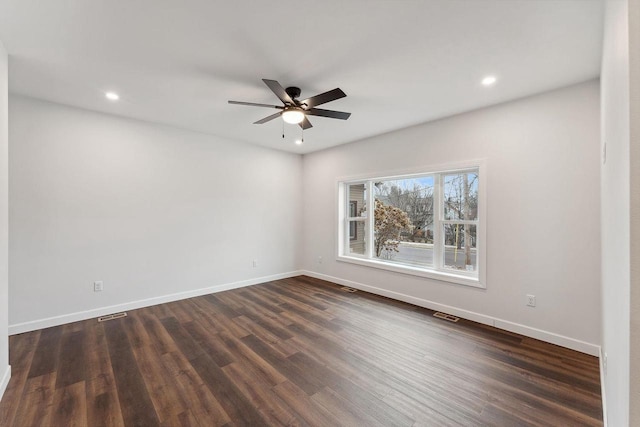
[
  {"x": 489, "y": 81},
  {"x": 298, "y": 142},
  {"x": 112, "y": 96}
]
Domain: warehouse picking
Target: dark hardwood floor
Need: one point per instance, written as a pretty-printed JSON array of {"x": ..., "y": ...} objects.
[{"x": 294, "y": 352}]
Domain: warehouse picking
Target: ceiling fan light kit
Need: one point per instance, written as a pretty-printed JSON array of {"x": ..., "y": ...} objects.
[
  {"x": 293, "y": 115},
  {"x": 295, "y": 111}
]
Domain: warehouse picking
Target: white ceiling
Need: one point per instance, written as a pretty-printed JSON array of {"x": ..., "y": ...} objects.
[{"x": 400, "y": 62}]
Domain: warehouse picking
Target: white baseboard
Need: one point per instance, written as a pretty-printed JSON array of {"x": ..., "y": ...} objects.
[
  {"x": 603, "y": 389},
  {"x": 4, "y": 382},
  {"x": 528, "y": 331},
  {"x": 33, "y": 325},
  {"x": 550, "y": 337}
]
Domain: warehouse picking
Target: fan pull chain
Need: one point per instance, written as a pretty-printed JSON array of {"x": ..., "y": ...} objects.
[{"x": 283, "y": 129}]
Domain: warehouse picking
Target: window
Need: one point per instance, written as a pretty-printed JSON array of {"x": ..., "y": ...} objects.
[{"x": 425, "y": 224}]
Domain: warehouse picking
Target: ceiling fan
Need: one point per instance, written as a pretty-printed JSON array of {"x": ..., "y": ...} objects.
[{"x": 295, "y": 111}]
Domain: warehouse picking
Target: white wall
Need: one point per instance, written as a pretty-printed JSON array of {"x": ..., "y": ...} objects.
[
  {"x": 4, "y": 224},
  {"x": 543, "y": 220},
  {"x": 634, "y": 168},
  {"x": 615, "y": 211},
  {"x": 148, "y": 209}
]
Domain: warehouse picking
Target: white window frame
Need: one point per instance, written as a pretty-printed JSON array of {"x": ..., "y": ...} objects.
[
  {"x": 437, "y": 272},
  {"x": 348, "y": 219}
]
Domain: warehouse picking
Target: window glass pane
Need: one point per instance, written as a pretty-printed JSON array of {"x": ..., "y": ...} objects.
[
  {"x": 460, "y": 247},
  {"x": 403, "y": 220},
  {"x": 356, "y": 208},
  {"x": 357, "y": 200},
  {"x": 460, "y": 196},
  {"x": 357, "y": 237}
]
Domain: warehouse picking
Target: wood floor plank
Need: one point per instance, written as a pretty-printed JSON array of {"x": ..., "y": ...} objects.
[
  {"x": 183, "y": 419},
  {"x": 210, "y": 343},
  {"x": 36, "y": 402},
  {"x": 182, "y": 311},
  {"x": 21, "y": 354},
  {"x": 202, "y": 403},
  {"x": 345, "y": 413},
  {"x": 245, "y": 355},
  {"x": 264, "y": 319},
  {"x": 103, "y": 409},
  {"x": 304, "y": 407},
  {"x": 161, "y": 338},
  {"x": 347, "y": 366},
  {"x": 23, "y": 348},
  {"x": 425, "y": 414},
  {"x": 187, "y": 345},
  {"x": 135, "y": 403},
  {"x": 137, "y": 334},
  {"x": 221, "y": 321},
  {"x": 103, "y": 406},
  {"x": 262, "y": 302},
  {"x": 303, "y": 379},
  {"x": 220, "y": 306},
  {"x": 351, "y": 392},
  {"x": 296, "y": 351},
  {"x": 262, "y": 397},
  {"x": 70, "y": 405},
  {"x": 71, "y": 369},
  {"x": 368, "y": 371},
  {"x": 163, "y": 391},
  {"x": 45, "y": 359},
  {"x": 232, "y": 400}
]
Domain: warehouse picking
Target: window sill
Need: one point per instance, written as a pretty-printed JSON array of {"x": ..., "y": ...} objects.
[{"x": 414, "y": 271}]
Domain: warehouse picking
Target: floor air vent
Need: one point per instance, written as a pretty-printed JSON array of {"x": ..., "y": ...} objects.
[
  {"x": 445, "y": 316},
  {"x": 348, "y": 289},
  {"x": 112, "y": 316}
]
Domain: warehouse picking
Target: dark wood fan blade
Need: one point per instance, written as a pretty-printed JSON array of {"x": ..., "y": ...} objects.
[
  {"x": 323, "y": 98},
  {"x": 328, "y": 113},
  {"x": 253, "y": 104},
  {"x": 267, "y": 119},
  {"x": 305, "y": 124},
  {"x": 279, "y": 91}
]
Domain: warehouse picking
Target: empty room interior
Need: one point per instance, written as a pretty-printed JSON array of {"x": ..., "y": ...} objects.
[{"x": 337, "y": 213}]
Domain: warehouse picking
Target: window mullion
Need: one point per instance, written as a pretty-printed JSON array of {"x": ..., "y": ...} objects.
[
  {"x": 345, "y": 232},
  {"x": 437, "y": 223},
  {"x": 369, "y": 224}
]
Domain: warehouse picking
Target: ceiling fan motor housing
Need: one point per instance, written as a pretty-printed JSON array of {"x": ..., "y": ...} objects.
[{"x": 293, "y": 92}]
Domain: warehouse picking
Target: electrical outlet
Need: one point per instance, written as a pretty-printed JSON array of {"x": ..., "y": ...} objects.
[
  {"x": 255, "y": 263},
  {"x": 98, "y": 286},
  {"x": 319, "y": 260},
  {"x": 531, "y": 300}
]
